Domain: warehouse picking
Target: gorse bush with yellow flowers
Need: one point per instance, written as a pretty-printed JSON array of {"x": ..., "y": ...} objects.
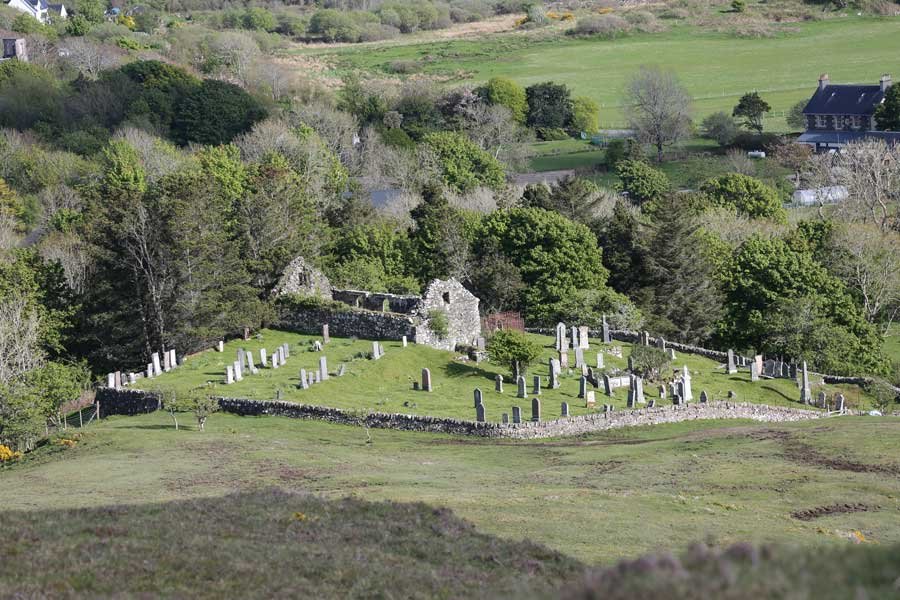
[{"x": 8, "y": 455}]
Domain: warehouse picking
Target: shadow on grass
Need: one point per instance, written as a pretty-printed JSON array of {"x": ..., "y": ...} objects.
[
  {"x": 779, "y": 392},
  {"x": 456, "y": 369}
]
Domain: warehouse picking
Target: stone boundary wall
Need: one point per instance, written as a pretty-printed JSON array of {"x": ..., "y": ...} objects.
[
  {"x": 126, "y": 402},
  {"x": 351, "y": 323},
  {"x": 132, "y": 402}
]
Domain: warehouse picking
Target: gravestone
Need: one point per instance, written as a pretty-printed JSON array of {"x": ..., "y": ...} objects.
[
  {"x": 221, "y": 346},
  {"x": 639, "y": 389},
  {"x": 589, "y": 373},
  {"x": 732, "y": 368},
  {"x": 479, "y": 413},
  {"x": 731, "y": 395},
  {"x": 688, "y": 395},
  {"x": 651, "y": 403},
  {"x": 536, "y": 385},
  {"x": 579, "y": 358},
  {"x": 671, "y": 352},
  {"x": 662, "y": 392},
  {"x": 754, "y": 371},
  {"x": 167, "y": 366},
  {"x": 805, "y": 393},
  {"x": 154, "y": 358},
  {"x": 263, "y": 358},
  {"x": 304, "y": 383},
  {"x": 645, "y": 338},
  {"x": 317, "y": 376},
  {"x": 498, "y": 383},
  {"x": 564, "y": 409},
  {"x": 229, "y": 375},
  {"x": 554, "y": 374},
  {"x": 600, "y": 360},
  {"x": 240, "y": 356},
  {"x": 584, "y": 370},
  {"x": 311, "y": 377},
  {"x": 575, "y": 343},
  {"x": 661, "y": 343},
  {"x": 504, "y": 418},
  {"x": 342, "y": 370},
  {"x": 563, "y": 360},
  {"x": 517, "y": 414},
  {"x": 317, "y": 346},
  {"x": 323, "y": 367},
  {"x": 149, "y": 370},
  {"x": 607, "y": 385},
  {"x": 583, "y": 342},
  {"x": 478, "y": 397},
  {"x": 326, "y": 335},
  {"x": 822, "y": 400},
  {"x": 238, "y": 376},
  {"x": 535, "y": 410},
  {"x": 630, "y": 367},
  {"x": 561, "y": 342},
  {"x": 250, "y": 365},
  {"x": 403, "y": 341},
  {"x": 520, "y": 387},
  {"x": 481, "y": 344},
  {"x": 276, "y": 356},
  {"x": 376, "y": 351},
  {"x": 676, "y": 400},
  {"x": 590, "y": 399},
  {"x": 582, "y": 386},
  {"x": 607, "y": 338},
  {"x": 174, "y": 360},
  {"x": 704, "y": 397},
  {"x": 111, "y": 380},
  {"x": 132, "y": 378},
  {"x": 839, "y": 403},
  {"x": 286, "y": 350},
  {"x": 426, "y": 380}
]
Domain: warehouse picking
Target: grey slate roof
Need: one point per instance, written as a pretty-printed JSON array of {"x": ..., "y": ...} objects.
[
  {"x": 845, "y": 100},
  {"x": 845, "y": 137}
]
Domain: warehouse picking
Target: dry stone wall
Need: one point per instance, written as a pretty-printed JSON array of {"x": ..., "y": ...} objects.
[
  {"x": 126, "y": 402},
  {"x": 351, "y": 323}
]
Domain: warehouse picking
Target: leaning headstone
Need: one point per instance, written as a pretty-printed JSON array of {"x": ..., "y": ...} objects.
[
  {"x": 304, "y": 383},
  {"x": 535, "y": 410},
  {"x": 582, "y": 386},
  {"x": 154, "y": 358},
  {"x": 732, "y": 368},
  {"x": 479, "y": 413},
  {"x": 326, "y": 335},
  {"x": 754, "y": 371},
  {"x": 342, "y": 370},
  {"x": 498, "y": 383},
  {"x": 323, "y": 367},
  {"x": 607, "y": 338},
  {"x": 704, "y": 397},
  {"x": 229, "y": 375},
  {"x": 564, "y": 409},
  {"x": 478, "y": 397},
  {"x": 731, "y": 395},
  {"x": 520, "y": 387},
  {"x": 607, "y": 385},
  {"x": 583, "y": 342},
  {"x": 651, "y": 403},
  {"x": 504, "y": 418},
  {"x": 579, "y": 358},
  {"x": 536, "y": 385},
  {"x": 805, "y": 393},
  {"x": 426, "y": 380},
  {"x": 563, "y": 360},
  {"x": 517, "y": 414},
  {"x": 221, "y": 346},
  {"x": 238, "y": 375},
  {"x": 600, "y": 360}
]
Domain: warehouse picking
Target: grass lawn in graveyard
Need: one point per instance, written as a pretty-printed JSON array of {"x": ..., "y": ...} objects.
[
  {"x": 598, "y": 498},
  {"x": 385, "y": 385}
]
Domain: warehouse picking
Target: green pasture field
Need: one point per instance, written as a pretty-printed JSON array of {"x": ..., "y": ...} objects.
[
  {"x": 597, "y": 498},
  {"x": 716, "y": 68},
  {"x": 385, "y": 385}
]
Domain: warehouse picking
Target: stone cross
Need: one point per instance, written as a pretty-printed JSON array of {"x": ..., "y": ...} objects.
[
  {"x": 304, "y": 384},
  {"x": 221, "y": 346},
  {"x": 607, "y": 338},
  {"x": 599, "y": 360},
  {"x": 732, "y": 368},
  {"x": 564, "y": 409},
  {"x": 704, "y": 397},
  {"x": 582, "y": 386},
  {"x": 229, "y": 375},
  {"x": 426, "y": 380},
  {"x": 535, "y": 410},
  {"x": 583, "y": 342},
  {"x": 478, "y": 397},
  {"x": 238, "y": 375},
  {"x": 323, "y": 367},
  {"x": 560, "y": 337},
  {"x": 536, "y": 385},
  {"x": 805, "y": 393},
  {"x": 517, "y": 414},
  {"x": 563, "y": 360},
  {"x": 326, "y": 336},
  {"x": 498, "y": 383},
  {"x": 579, "y": 358},
  {"x": 154, "y": 358},
  {"x": 479, "y": 413},
  {"x": 520, "y": 387}
]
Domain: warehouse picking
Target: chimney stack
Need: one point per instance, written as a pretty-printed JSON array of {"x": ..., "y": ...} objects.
[
  {"x": 823, "y": 81},
  {"x": 885, "y": 82}
]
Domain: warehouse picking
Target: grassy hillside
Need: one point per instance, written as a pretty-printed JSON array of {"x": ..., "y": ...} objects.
[
  {"x": 599, "y": 498},
  {"x": 386, "y": 385},
  {"x": 716, "y": 68}
]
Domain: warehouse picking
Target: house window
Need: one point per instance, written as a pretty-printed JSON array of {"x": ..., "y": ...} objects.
[
  {"x": 856, "y": 122},
  {"x": 838, "y": 122},
  {"x": 446, "y": 297},
  {"x": 821, "y": 121}
]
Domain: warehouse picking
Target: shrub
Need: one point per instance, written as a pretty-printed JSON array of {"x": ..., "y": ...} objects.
[
  {"x": 649, "y": 362},
  {"x": 642, "y": 182},
  {"x": 719, "y": 126},
  {"x": 606, "y": 26},
  {"x": 404, "y": 67},
  {"x": 515, "y": 349},
  {"x": 439, "y": 322},
  {"x": 738, "y": 6},
  {"x": 7, "y": 454},
  {"x": 550, "y": 134},
  {"x": 747, "y": 194}
]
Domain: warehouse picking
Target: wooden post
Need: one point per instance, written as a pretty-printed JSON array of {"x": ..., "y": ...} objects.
[{"x": 80, "y": 419}]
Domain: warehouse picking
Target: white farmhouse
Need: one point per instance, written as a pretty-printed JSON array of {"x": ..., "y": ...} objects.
[{"x": 40, "y": 9}]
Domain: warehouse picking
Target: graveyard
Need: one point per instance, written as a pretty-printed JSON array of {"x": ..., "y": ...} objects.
[{"x": 393, "y": 384}]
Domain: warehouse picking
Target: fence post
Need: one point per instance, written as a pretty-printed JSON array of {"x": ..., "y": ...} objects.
[{"x": 80, "y": 419}]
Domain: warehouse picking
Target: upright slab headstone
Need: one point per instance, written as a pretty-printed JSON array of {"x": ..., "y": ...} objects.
[
  {"x": 263, "y": 358},
  {"x": 323, "y": 367},
  {"x": 154, "y": 358},
  {"x": 342, "y": 370},
  {"x": 276, "y": 358},
  {"x": 517, "y": 414},
  {"x": 704, "y": 397},
  {"x": 732, "y": 367},
  {"x": 535, "y": 410},
  {"x": 376, "y": 350},
  {"x": 582, "y": 386},
  {"x": 150, "y": 372},
  {"x": 579, "y": 358},
  {"x": 630, "y": 364},
  {"x": 754, "y": 371},
  {"x": 583, "y": 341},
  {"x": 174, "y": 360},
  {"x": 590, "y": 399},
  {"x": 564, "y": 409},
  {"x": 536, "y": 385},
  {"x": 426, "y": 380},
  {"x": 317, "y": 376},
  {"x": 403, "y": 341},
  {"x": 167, "y": 365},
  {"x": 575, "y": 342},
  {"x": 250, "y": 365},
  {"x": 607, "y": 338},
  {"x": 839, "y": 403},
  {"x": 286, "y": 352},
  {"x": 479, "y": 413},
  {"x": 564, "y": 360},
  {"x": 229, "y": 374},
  {"x": 662, "y": 392},
  {"x": 600, "y": 360},
  {"x": 132, "y": 378},
  {"x": 561, "y": 342},
  {"x": 240, "y": 356},
  {"x": 661, "y": 343},
  {"x": 111, "y": 380},
  {"x": 478, "y": 397},
  {"x": 238, "y": 373},
  {"x": 504, "y": 418},
  {"x": 304, "y": 383},
  {"x": 554, "y": 374},
  {"x": 607, "y": 385},
  {"x": 498, "y": 383},
  {"x": 671, "y": 353},
  {"x": 822, "y": 400},
  {"x": 686, "y": 378},
  {"x": 326, "y": 336},
  {"x": 520, "y": 387},
  {"x": 221, "y": 346},
  {"x": 805, "y": 393}
]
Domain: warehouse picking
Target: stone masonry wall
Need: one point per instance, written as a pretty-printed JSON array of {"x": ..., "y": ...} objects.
[
  {"x": 351, "y": 323},
  {"x": 461, "y": 308},
  {"x": 131, "y": 402}
]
